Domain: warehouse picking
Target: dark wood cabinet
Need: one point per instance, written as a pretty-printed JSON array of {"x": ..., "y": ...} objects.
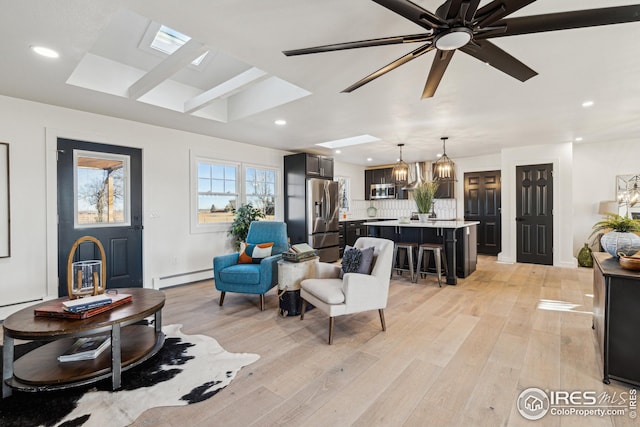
[
  {"x": 446, "y": 189},
  {"x": 616, "y": 298},
  {"x": 319, "y": 166},
  {"x": 376, "y": 176},
  {"x": 354, "y": 230},
  {"x": 341, "y": 237}
]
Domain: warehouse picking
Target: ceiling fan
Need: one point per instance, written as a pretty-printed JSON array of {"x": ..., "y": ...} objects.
[{"x": 461, "y": 25}]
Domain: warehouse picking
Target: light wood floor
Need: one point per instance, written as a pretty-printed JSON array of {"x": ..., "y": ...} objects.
[{"x": 451, "y": 356}]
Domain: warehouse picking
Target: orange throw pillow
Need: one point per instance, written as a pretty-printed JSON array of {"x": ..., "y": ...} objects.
[{"x": 254, "y": 253}]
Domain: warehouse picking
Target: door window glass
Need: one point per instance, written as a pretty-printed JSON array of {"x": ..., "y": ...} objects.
[{"x": 101, "y": 189}]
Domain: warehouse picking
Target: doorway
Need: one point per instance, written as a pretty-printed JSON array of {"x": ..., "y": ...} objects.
[
  {"x": 482, "y": 203},
  {"x": 534, "y": 214},
  {"x": 100, "y": 195}
]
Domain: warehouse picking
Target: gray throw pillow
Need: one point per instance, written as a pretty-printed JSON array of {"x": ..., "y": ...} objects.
[{"x": 357, "y": 260}]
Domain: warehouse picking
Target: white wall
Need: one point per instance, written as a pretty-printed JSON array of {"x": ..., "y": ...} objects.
[
  {"x": 594, "y": 180},
  {"x": 169, "y": 248},
  {"x": 561, "y": 156}
]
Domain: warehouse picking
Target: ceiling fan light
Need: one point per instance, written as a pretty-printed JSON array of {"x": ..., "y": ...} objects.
[{"x": 454, "y": 39}]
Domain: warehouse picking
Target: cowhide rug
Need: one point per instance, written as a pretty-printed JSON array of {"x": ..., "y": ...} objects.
[{"x": 188, "y": 369}]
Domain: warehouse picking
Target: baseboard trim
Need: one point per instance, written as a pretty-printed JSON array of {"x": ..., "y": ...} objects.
[{"x": 182, "y": 278}]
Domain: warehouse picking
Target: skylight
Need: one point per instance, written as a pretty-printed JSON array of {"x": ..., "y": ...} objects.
[
  {"x": 346, "y": 142},
  {"x": 168, "y": 40}
]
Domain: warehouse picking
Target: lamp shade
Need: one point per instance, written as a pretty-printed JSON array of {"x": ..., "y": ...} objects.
[
  {"x": 400, "y": 172},
  {"x": 444, "y": 169},
  {"x": 607, "y": 207}
]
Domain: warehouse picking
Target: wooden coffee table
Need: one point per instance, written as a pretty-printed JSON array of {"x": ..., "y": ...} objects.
[{"x": 39, "y": 370}]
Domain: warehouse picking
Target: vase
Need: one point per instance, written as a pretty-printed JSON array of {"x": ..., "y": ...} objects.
[
  {"x": 584, "y": 256},
  {"x": 615, "y": 242},
  {"x": 371, "y": 211},
  {"x": 424, "y": 217}
]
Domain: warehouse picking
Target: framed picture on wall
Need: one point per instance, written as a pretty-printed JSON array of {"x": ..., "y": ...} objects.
[{"x": 5, "y": 234}]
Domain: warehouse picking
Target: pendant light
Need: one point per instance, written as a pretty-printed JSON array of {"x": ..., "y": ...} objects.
[
  {"x": 444, "y": 168},
  {"x": 400, "y": 171}
]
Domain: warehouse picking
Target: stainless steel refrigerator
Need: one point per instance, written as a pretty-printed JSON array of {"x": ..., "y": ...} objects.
[{"x": 322, "y": 218}]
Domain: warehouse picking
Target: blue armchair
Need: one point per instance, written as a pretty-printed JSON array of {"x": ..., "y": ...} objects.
[{"x": 252, "y": 278}]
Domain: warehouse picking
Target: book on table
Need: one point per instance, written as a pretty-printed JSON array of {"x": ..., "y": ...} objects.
[
  {"x": 57, "y": 308},
  {"x": 86, "y": 303},
  {"x": 85, "y": 348}
]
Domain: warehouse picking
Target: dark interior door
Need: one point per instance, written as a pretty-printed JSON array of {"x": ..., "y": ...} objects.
[
  {"x": 534, "y": 214},
  {"x": 482, "y": 203},
  {"x": 100, "y": 195}
]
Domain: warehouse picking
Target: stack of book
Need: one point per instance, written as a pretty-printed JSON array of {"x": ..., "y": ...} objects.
[
  {"x": 82, "y": 308},
  {"x": 85, "y": 348},
  {"x": 86, "y": 303}
]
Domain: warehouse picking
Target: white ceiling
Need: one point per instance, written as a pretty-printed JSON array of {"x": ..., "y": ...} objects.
[{"x": 479, "y": 108}]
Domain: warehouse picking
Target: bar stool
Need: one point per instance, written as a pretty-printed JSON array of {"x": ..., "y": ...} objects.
[
  {"x": 409, "y": 248},
  {"x": 439, "y": 258}
]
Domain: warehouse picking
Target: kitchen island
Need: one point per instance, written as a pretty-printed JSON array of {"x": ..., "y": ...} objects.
[{"x": 458, "y": 237}]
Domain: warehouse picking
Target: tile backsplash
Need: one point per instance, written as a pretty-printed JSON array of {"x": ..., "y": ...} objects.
[{"x": 392, "y": 209}]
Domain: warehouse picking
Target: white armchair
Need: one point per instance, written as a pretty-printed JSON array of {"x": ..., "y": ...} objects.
[{"x": 354, "y": 292}]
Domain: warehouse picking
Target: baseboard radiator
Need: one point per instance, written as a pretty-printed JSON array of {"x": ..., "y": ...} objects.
[{"x": 182, "y": 278}]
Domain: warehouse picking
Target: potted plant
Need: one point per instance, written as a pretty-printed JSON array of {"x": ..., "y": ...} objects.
[
  {"x": 244, "y": 215},
  {"x": 619, "y": 237},
  {"x": 423, "y": 196}
]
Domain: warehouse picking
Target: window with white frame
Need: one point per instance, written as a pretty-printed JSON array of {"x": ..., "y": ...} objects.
[
  {"x": 218, "y": 192},
  {"x": 260, "y": 189}
]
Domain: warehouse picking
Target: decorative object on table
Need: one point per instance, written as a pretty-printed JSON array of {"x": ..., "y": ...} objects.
[
  {"x": 423, "y": 195},
  {"x": 57, "y": 309},
  {"x": 85, "y": 348},
  {"x": 444, "y": 169},
  {"x": 299, "y": 252},
  {"x": 584, "y": 256},
  {"x": 630, "y": 262},
  {"x": 188, "y": 369},
  {"x": 87, "y": 277},
  {"x": 620, "y": 237},
  {"x": 372, "y": 211},
  {"x": 244, "y": 216},
  {"x": 400, "y": 172}
]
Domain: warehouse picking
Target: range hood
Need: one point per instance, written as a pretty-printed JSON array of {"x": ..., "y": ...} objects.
[{"x": 419, "y": 172}]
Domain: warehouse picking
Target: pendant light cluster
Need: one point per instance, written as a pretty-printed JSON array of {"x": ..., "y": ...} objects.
[
  {"x": 400, "y": 171},
  {"x": 444, "y": 168}
]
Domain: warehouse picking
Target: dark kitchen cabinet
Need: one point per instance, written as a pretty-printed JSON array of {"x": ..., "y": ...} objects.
[
  {"x": 341, "y": 237},
  {"x": 445, "y": 189},
  {"x": 376, "y": 176},
  {"x": 616, "y": 298},
  {"x": 354, "y": 230},
  {"x": 319, "y": 166}
]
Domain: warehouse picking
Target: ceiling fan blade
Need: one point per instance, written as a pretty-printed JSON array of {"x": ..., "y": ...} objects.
[
  {"x": 391, "y": 66},
  {"x": 567, "y": 20},
  {"x": 362, "y": 43},
  {"x": 414, "y": 13},
  {"x": 491, "y": 54},
  {"x": 438, "y": 67},
  {"x": 463, "y": 9},
  {"x": 498, "y": 9}
]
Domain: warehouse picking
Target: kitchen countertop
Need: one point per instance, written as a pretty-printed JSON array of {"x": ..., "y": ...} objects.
[{"x": 428, "y": 224}]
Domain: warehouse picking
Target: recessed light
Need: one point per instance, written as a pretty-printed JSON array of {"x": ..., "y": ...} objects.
[
  {"x": 439, "y": 155},
  {"x": 337, "y": 151},
  {"x": 45, "y": 51},
  {"x": 369, "y": 159},
  {"x": 578, "y": 139},
  {"x": 280, "y": 122},
  {"x": 587, "y": 104}
]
